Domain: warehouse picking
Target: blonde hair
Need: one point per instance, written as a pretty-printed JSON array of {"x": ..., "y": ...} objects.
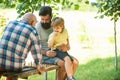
[{"x": 57, "y": 21}]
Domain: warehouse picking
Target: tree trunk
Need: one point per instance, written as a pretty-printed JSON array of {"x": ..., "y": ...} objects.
[{"x": 116, "y": 60}]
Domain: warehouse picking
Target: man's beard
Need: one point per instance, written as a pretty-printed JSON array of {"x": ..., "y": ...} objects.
[{"x": 46, "y": 25}]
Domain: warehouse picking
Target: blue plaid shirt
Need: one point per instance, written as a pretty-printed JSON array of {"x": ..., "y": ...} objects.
[{"x": 18, "y": 39}]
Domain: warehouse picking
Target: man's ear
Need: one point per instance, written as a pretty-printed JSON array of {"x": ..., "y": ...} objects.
[{"x": 32, "y": 23}]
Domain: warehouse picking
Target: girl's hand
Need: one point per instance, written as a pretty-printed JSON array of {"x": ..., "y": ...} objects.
[{"x": 55, "y": 34}]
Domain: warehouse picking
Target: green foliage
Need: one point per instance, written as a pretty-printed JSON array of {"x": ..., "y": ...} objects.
[
  {"x": 111, "y": 40},
  {"x": 110, "y": 8},
  {"x": 3, "y": 21},
  {"x": 28, "y": 6},
  {"x": 84, "y": 36},
  {"x": 51, "y": 76},
  {"x": 23, "y": 6},
  {"x": 8, "y": 3},
  {"x": 1, "y": 1}
]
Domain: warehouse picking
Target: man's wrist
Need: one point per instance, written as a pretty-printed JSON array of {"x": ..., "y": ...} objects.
[
  {"x": 43, "y": 52},
  {"x": 38, "y": 67},
  {"x": 46, "y": 53}
]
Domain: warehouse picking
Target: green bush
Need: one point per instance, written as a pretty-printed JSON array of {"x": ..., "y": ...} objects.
[
  {"x": 3, "y": 21},
  {"x": 111, "y": 40},
  {"x": 84, "y": 38}
]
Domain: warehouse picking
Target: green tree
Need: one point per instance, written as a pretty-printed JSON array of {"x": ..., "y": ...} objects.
[
  {"x": 109, "y": 8},
  {"x": 23, "y": 6}
]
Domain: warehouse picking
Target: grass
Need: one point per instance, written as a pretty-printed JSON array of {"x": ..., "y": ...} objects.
[
  {"x": 51, "y": 76},
  {"x": 97, "y": 69}
]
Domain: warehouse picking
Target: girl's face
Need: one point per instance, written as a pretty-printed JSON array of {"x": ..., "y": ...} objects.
[{"x": 58, "y": 28}]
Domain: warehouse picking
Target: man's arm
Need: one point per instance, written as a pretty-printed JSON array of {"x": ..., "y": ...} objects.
[
  {"x": 36, "y": 51},
  {"x": 35, "y": 47},
  {"x": 48, "y": 53}
]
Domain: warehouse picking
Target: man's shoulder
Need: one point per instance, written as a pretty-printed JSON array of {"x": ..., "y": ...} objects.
[{"x": 14, "y": 21}]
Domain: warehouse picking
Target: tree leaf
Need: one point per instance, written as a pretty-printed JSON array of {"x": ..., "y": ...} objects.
[{"x": 76, "y": 7}]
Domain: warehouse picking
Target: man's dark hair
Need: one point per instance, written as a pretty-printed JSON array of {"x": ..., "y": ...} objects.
[{"x": 45, "y": 10}]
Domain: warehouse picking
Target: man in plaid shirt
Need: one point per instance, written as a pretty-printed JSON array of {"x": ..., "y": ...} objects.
[{"x": 18, "y": 39}]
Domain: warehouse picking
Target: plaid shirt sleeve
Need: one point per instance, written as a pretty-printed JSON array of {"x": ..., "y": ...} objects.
[{"x": 35, "y": 47}]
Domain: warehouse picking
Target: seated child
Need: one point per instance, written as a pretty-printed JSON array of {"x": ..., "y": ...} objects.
[{"x": 59, "y": 37}]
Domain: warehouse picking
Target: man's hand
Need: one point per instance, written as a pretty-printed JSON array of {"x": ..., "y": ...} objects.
[
  {"x": 40, "y": 69},
  {"x": 51, "y": 53},
  {"x": 63, "y": 47}
]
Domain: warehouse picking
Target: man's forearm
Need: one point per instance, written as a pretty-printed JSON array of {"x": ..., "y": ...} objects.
[{"x": 48, "y": 53}]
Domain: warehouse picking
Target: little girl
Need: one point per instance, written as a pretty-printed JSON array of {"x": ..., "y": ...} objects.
[{"x": 59, "y": 37}]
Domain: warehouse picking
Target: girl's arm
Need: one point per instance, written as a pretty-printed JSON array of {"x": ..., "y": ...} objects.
[
  {"x": 51, "y": 40},
  {"x": 51, "y": 43},
  {"x": 68, "y": 45}
]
